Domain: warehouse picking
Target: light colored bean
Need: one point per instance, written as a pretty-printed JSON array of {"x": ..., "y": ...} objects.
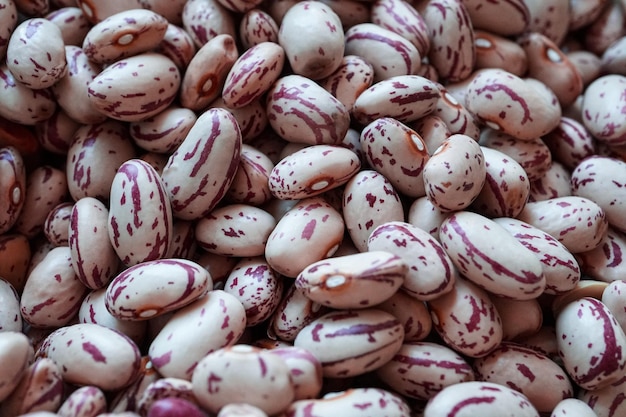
[
  {"x": 306, "y": 371},
  {"x": 572, "y": 406},
  {"x": 21, "y": 104},
  {"x": 15, "y": 256},
  {"x": 402, "y": 18},
  {"x": 178, "y": 46},
  {"x": 251, "y": 182},
  {"x": 293, "y": 313},
  {"x": 503, "y": 18},
  {"x": 15, "y": 356},
  {"x": 604, "y": 262},
  {"x": 72, "y": 22},
  {"x": 97, "y": 11},
  {"x": 12, "y": 185},
  {"x": 164, "y": 388},
  {"x": 348, "y": 81},
  {"x": 257, "y": 26},
  {"x": 554, "y": 183},
  {"x": 613, "y": 298},
  {"x": 602, "y": 103},
  {"x": 550, "y": 18},
  {"x": 164, "y": 132},
  {"x": 588, "y": 321},
  {"x": 353, "y": 342},
  {"x": 505, "y": 268},
  {"x": 8, "y": 22},
  {"x": 206, "y": 19},
  {"x": 570, "y": 143},
  {"x": 55, "y": 134},
  {"x": 87, "y": 401}
]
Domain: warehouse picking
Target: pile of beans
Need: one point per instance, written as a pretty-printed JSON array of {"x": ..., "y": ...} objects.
[{"x": 312, "y": 208}]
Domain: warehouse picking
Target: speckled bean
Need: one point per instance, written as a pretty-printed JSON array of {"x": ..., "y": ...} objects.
[
  {"x": 124, "y": 34},
  {"x": 479, "y": 398},
  {"x": 455, "y": 173},
  {"x": 251, "y": 182},
  {"x": 164, "y": 388},
  {"x": 554, "y": 183},
  {"x": 310, "y": 231},
  {"x": 21, "y": 104},
  {"x": 56, "y": 224},
  {"x": 353, "y": 281},
  {"x": 528, "y": 113},
  {"x": 87, "y": 401},
  {"x": 422, "y": 369},
  {"x": 383, "y": 205},
  {"x": 411, "y": 312},
  {"x": 572, "y": 406},
  {"x": 613, "y": 298},
  {"x": 127, "y": 398},
  {"x": 52, "y": 294},
  {"x": 214, "y": 321},
  {"x": 590, "y": 341},
  {"x": 257, "y": 286},
  {"x": 455, "y": 115},
  {"x": 448, "y": 23},
  {"x": 39, "y": 389},
  {"x": 404, "y": 97},
  {"x": 494, "y": 51},
  {"x": 602, "y": 179},
  {"x": 314, "y": 50},
  {"x": 506, "y": 187},
  {"x": 402, "y": 18},
  {"x": 520, "y": 318},
  {"x": 177, "y": 45},
  {"x": 164, "y": 132},
  {"x": 12, "y": 187},
  {"x": 431, "y": 273},
  {"x": 15, "y": 256},
  {"x": 8, "y": 22},
  {"x": 243, "y": 373},
  {"x": 241, "y": 410},
  {"x": 257, "y": 26},
  {"x": 93, "y": 309},
  {"x": 88, "y": 354},
  {"x": 614, "y": 57},
  {"x": 531, "y": 373},
  {"x": 97, "y": 11},
  {"x": 15, "y": 356},
  {"x": 72, "y": 22},
  {"x": 293, "y": 313},
  {"x": 10, "y": 316},
  {"x": 601, "y": 108},
  {"x": 207, "y": 71},
  {"x": 198, "y": 173},
  {"x": 467, "y": 320},
  {"x": 353, "y": 402},
  {"x": 353, "y": 342},
  {"x": 206, "y": 19},
  {"x": 35, "y": 53},
  {"x": 487, "y": 254},
  {"x": 433, "y": 131},
  {"x": 348, "y": 81},
  {"x": 559, "y": 266},
  {"x": 577, "y": 222},
  {"x": 135, "y": 88},
  {"x": 153, "y": 288},
  {"x": 605, "y": 262},
  {"x": 570, "y": 142},
  {"x": 301, "y": 111},
  {"x": 140, "y": 214}
]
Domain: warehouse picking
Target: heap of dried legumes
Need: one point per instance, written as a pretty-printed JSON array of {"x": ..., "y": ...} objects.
[{"x": 281, "y": 208}]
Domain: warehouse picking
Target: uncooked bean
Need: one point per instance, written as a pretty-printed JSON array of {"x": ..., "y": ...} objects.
[
  {"x": 312, "y": 171},
  {"x": 554, "y": 183},
  {"x": 56, "y": 133},
  {"x": 127, "y": 398},
  {"x": 310, "y": 231},
  {"x": 301, "y": 111},
  {"x": 96, "y": 11},
  {"x": 52, "y": 293},
  {"x": 494, "y": 51},
  {"x": 210, "y": 323},
  {"x": 177, "y": 45},
  {"x": 313, "y": 50},
  {"x": 257, "y": 286},
  {"x": 503, "y": 18},
  {"x": 602, "y": 104},
  {"x": 85, "y": 401},
  {"x": 402, "y": 18},
  {"x": 72, "y": 22},
  {"x": 305, "y": 369},
  {"x": 508, "y": 103},
  {"x": 12, "y": 185},
  {"x": 164, "y": 132},
  {"x": 352, "y": 342},
  {"x": 207, "y": 71},
  {"x": 164, "y": 388},
  {"x": 606, "y": 29},
  {"x": 335, "y": 282},
  {"x": 243, "y": 373},
  {"x": 348, "y": 81},
  {"x": 8, "y": 22},
  {"x": 589, "y": 339},
  {"x": 479, "y": 398},
  {"x": 257, "y": 26},
  {"x": 455, "y": 115},
  {"x": 140, "y": 214},
  {"x": 135, "y": 88},
  {"x": 21, "y": 104},
  {"x": 550, "y": 18},
  {"x": 455, "y": 173},
  {"x": 577, "y": 222},
  {"x": 570, "y": 143},
  {"x": 153, "y": 288},
  {"x": 15, "y": 356},
  {"x": 293, "y": 313},
  {"x": 124, "y": 34},
  {"x": 93, "y": 309},
  {"x": 199, "y": 172},
  {"x": 15, "y": 256},
  {"x": 613, "y": 298},
  {"x": 411, "y": 312},
  {"x": 69, "y": 91},
  {"x": 39, "y": 389},
  {"x": 422, "y": 369},
  {"x": 559, "y": 266},
  {"x": 605, "y": 262},
  {"x": 405, "y": 98},
  {"x": 431, "y": 273},
  {"x": 206, "y": 19},
  {"x": 56, "y": 224},
  {"x": 572, "y": 406},
  {"x": 614, "y": 57},
  {"x": 88, "y": 354},
  {"x": 487, "y": 254},
  {"x": 35, "y": 53}
]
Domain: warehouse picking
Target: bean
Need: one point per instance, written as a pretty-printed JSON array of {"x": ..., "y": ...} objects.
[
  {"x": 12, "y": 185},
  {"x": 164, "y": 132},
  {"x": 206, "y": 19},
  {"x": 8, "y": 18},
  {"x": 72, "y": 22},
  {"x": 15, "y": 355},
  {"x": 601, "y": 104},
  {"x": 86, "y": 401},
  {"x": 293, "y": 313},
  {"x": 257, "y": 26},
  {"x": 21, "y": 104}
]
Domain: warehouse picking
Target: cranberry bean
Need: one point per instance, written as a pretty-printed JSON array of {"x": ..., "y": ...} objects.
[
  {"x": 570, "y": 143},
  {"x": 457, "y": 118},
  {"x": 124, "y": 34},
  {"x": 178, "y": 46},
  {"x": 56, "y": 133},
  {"x": 88, "y": 354},
  {"x": 550, "y": 18},
  {"x": 15, "y": 256},
  {"x": 10, "y": 317},
  {"x": 207, "y": 71},
  {"x": 520, "y": 318},
  {"x": 605, "y": 261},
  {"x": 39, "y": 389},
  {"x": 584, "y": 322},
  {"x": 613, "y": 58},
  {"x": 432, "y": 130},
  {"x": 502, "y": 18},
  {"x": 554, "y": 183},
  {"x": 479, "y": 398},
  {"x": 243, "y": 374},
  {"x": 353, "y": 342},
  {"x": 606, "y": 29},
  {"x": 12, "y": 187},
  {"x": 72, "y": 22},
  {"x": 21, "y": 104},
  {"x": 198, "y": 173},
  {"x": 430, "y": 274},
  {"x": 127, "y": 398},
  {"x": 348, "y": 81},
  {"x": 405, "y": 98},
  {"x": 293, "y": 313},
  {"x": 572, "y": 406},
  {"x": 602, "y": 103},
  {"x": 86, "y": 401},
  {"x": 97, "y": 11},
  {"x": 494, "y": 51},
  {"x": 210, "y": 323},
  {"x": 206, "y": 19},
  {"x": 164, "y": 132},
  {"x": 310, "y": 231},
  {"x": 15, "y": 356},
  {"x": 257, "y": 26},
  {"x": 613, "y": 298},
  {"x": 528, "y": 113},
  {"x": 241, "y": 410},
  {"x": 402, "y": 18},
  {"x": 35, "y": 53},
  {"x": 165, "y": 388},
  {"x": 411, "y": 312}
]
